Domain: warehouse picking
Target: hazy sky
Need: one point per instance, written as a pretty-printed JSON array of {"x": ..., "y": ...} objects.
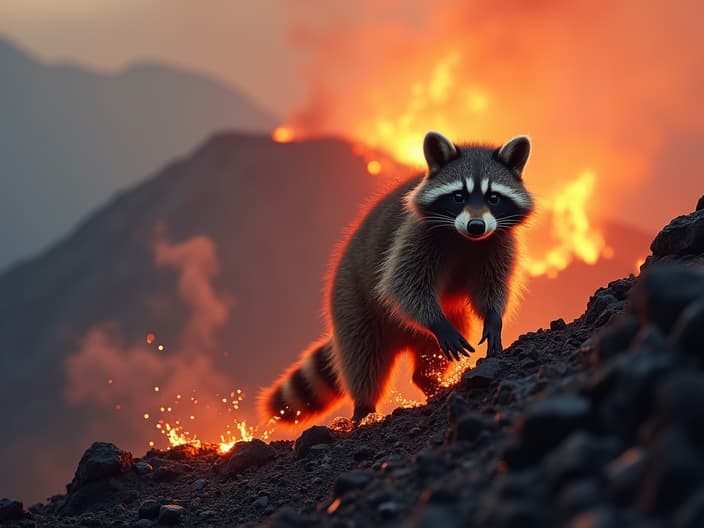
[{"x": 244, "y": 43}]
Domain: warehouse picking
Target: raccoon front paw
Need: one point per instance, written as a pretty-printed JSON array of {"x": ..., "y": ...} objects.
[
  {"x": 451, "y": 342},
  {"x": 492, "y": 334}
]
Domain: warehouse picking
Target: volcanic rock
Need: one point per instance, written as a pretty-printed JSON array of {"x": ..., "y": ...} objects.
[
  {"x": 682, "y": 236},
  {"x": 170, "y": 514},
  {"x": 149, "y": 509},
  {"x": 691, "y": 514},
  {"x": 317, "y": 434},
  {"x": 700, "y": 204},
  {"x": 688, "y": 333},
  {"x": 579, "y": 496},
  {"x": 11, "y": 510},
  {"x": 487, "y": 371},
  {"x": 245, "y": 455},
  {"x": 351, "y": 481},
  {"x": 624, "y": 475},
  {"x": 101, "y": 460},
  {"x": 546, "y": 424}
]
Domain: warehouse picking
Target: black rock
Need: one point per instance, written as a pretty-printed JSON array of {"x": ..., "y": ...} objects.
[
  {"x": 433, "y": 516},
  {"x": 168, "y": 473},
  {"x": 700, "y": 204},
  {"x": 615, "y": 338},
  {"x": 170, "y": 514},
  {"x": 691, "y": 513},
  {"x": 363, "y": 453},
  {"x": 317, "y": 434},
  {"x": 674, "y": 468},
  {"x": 581, "y": 455},
  {"x": 558, "y": 324},
  {"x": 351, "y": 481},
  {"x": 682, "y": 236},
  {"x": 143, "y": 468},
  {"x": 11, "y": 510},
  {"x": 101, "y": 460},
  {"x": 245, "y": 455},
  {"x": 429, "y": 462},
  {"x": 149, "y": 509},
  {"x": 487, "y": 371},
  {"x": 678, "y": 404},
  {"x": 624, "y": 475},
  {"x": 468, "y": 427},
  {"x": 546, "y": 424},
  {"x": 601, "y": 305},
  {"x": 457, "y": 406},
  {"x": 664, "y": 291},
  {"x": 688, "y": 333}
]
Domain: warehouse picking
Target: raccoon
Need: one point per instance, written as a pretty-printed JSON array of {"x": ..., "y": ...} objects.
[{"x": 426, "y": 255}]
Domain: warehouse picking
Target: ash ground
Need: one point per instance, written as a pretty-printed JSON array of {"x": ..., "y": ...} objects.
[{"x": 596, "y": 423}]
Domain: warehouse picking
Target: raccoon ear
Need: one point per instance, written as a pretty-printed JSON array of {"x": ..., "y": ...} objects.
[
  {"x": 438, "y": 150},
  {"x": 514, "y": 153}
]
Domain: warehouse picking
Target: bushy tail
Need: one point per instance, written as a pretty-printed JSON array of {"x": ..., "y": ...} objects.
[{"x": 306, "y": 389}]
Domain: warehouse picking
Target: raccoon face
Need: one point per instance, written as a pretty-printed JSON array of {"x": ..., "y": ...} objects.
[{"x": 474, "y": 190}]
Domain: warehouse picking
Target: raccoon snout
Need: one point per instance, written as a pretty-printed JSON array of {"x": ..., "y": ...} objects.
[{"x": 476, "y": 227}]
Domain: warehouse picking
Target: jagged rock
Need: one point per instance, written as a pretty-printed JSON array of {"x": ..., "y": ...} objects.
[
  {"x": 546, "y": 424},
  {"x": 11, "y": 510},
  {"x": 487, "y": 371},
  {"x": 682, "y": 236},
  {"x": 558, "y": 324},
  {"x": 700, "y": 204},
  {"x": 181, "y": 452},
  {"x": 142, "y": 523},
  {"x": 101, "y": 460},
  {"x": 246, "y": 455},
  {"x": 317, "y": 434},
  {"x": 664, "y": 291},
  {"x": 262, "y": 502},
  {"x": 351, "y": 481},
  {"x": 170, "y": 514}
]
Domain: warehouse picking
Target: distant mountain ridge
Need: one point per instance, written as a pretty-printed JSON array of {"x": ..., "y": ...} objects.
[{"x": 70, "y": 137}]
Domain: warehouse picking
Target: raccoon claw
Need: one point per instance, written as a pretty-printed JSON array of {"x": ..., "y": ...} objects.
[
  {"x": 492, "y": 334},
  {"x": 451, "y": 342}
]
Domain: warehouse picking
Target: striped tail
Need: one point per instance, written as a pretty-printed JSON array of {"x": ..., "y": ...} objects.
[{"x": 305, "y": 390}]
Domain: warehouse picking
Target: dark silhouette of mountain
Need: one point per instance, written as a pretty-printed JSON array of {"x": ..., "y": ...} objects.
[
  {"x": 70, "y": 137},
  {"x": 222, "y": 255}
]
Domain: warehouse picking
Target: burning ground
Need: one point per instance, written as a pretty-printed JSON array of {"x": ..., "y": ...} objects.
[{"x": 592, "y": 423}]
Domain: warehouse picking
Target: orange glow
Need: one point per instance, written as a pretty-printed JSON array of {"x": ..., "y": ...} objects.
[
  {"x": 639, "y": 263},
  {"x": 150, "y": 338},
  {"x": 282, "y": 134},
  {"x": 374, "y": 167}
]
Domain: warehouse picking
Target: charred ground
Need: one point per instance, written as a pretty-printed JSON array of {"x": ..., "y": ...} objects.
[{"x": 593, "y": 423}]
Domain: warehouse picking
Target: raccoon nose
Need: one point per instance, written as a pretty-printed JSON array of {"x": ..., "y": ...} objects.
[{"x": 476, "y": 227}]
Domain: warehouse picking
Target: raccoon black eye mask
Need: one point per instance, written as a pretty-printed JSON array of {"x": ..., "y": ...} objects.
[{"x": 426, "y": 255}]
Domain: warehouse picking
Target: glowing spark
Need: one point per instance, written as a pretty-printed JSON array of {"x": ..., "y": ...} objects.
[
  {"x": 146, "y": 416},
  {"x": 160, "y": 348},
  {"x": 374, "y": 167},
  {"x": 150, "y": 338},
  {"x": 156, "y": 388}
]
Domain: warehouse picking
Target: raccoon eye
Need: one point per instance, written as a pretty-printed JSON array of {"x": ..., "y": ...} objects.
[
  {"x": 458, "y": 197},
  {"x": 493, "y": 198}
]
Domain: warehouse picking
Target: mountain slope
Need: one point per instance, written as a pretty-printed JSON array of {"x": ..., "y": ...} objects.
[
  {"x": 222, "y": 256},
  {"x": 70, "y": 137}
]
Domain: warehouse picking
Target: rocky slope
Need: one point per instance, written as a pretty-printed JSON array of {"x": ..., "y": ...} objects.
[{"x": 596, "y": 423}]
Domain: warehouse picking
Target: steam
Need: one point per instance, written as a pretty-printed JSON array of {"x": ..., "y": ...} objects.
[{"x": 139, "y": 379}]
